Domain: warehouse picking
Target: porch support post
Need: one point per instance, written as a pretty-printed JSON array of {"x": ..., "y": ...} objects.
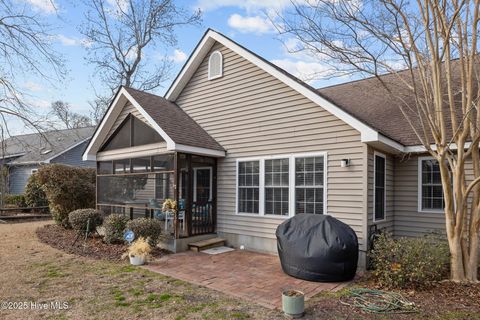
[
  {"x": 176, "y": 170},
  {"x": 189, "y": 204},
  {"x": 214, "y": 197}
]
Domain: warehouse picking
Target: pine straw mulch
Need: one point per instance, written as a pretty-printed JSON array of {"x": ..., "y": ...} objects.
[{"x": 62, "y": 239}]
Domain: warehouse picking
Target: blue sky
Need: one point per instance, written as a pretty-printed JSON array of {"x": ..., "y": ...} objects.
[{"x": 244, "y": 21}]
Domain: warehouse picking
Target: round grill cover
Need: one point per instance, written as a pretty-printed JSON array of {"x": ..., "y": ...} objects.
[{"x": 317, "y": 248}]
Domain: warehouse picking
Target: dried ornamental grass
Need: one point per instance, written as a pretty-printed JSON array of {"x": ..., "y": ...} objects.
[{"x": 139, "y": 248}]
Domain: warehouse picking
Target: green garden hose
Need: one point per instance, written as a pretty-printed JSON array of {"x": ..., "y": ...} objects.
[{"x": 377, "y": 301}]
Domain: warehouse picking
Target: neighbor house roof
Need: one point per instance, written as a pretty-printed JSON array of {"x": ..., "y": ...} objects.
[
  {"x": 174, "y": 121},
  {"x": 44, "y": 146}
]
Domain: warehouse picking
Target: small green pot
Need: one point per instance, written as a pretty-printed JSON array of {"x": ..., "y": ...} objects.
[{"x": 293, "y": 304}]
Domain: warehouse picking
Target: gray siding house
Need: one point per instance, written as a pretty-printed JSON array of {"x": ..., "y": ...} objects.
[
  {"x": 243, "y": 145},
  {"x": 24, "y": 154}
]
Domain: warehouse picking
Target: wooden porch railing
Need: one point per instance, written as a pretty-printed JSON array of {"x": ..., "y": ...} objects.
[{"x": 202, "y": 221}]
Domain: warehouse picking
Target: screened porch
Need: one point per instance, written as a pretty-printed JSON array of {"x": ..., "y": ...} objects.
[{"x": 137, "y": 187}]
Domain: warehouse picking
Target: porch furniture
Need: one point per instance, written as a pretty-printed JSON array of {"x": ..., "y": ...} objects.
[{"x": 170, "y": 217}]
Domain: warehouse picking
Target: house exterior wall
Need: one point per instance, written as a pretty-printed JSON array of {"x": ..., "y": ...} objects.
[
  {"x": 251, "y": 113},
  {"x": 409, "y": 222},
  {"x": 73, "y": 157},
  {"x": 18, "y": 177}
]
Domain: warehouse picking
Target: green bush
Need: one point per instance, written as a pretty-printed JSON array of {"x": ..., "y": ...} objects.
[
  {"x": 17, "y": 200},
  {"x": 78, "y": 219},
  {"x": 34, "y": 194},
  {"x": 147, "y": 228},
  {"x": 67, "y": 189},
  {"x": 410, "y": 262},
  {"x": 115, "y": 225}
]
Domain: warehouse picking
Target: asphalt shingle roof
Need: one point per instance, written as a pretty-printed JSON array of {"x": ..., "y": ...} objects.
[
  {"x": 174, "y": 121},
  {"x": 35, "y": 147}
]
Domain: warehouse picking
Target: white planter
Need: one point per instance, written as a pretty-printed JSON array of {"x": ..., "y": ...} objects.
[{"x": 137, "y": 260}]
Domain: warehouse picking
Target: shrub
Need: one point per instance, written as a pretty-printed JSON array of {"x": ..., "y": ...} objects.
[
  {"x": 115, "y": 225},
  {"x": 17, "y": 200},
  {"x": 78, "y": 219},
  {"x": 67, "y": 189},
  {"x": 34, "y": 194},
  {"x": 147, "y": 228},
  {"x": 410, "y": 262}
]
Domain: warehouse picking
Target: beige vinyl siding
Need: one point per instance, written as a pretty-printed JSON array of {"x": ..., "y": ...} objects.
[
  {"x": 408, "y": 220},
  {"x": 252, "y": 114},
  {"x": 388, "y": 223}
]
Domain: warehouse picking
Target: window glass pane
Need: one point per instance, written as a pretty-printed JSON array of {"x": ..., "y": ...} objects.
[
  {"x": 379, "y": 205},
  {"x": 141, "y": 164},
  {"x": 248, "y": 186},
  {"x": 163, "y": 162},
  {"x": 276, "y": 186},
  {"x": 105, "y": 167},
  {"x": 121, "y": 166},
  {"x": 120, "y": 138},
  {"x": 309, "y": 174},
  {"x": 432, "y": 191},
  {"x": 144, "y": 134}
]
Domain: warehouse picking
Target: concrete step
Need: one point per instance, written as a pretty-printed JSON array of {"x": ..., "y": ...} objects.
[{"x": 206, "y": 244}]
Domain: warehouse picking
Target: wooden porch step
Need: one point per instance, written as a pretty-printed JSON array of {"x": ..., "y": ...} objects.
[{"x": 206, "y": 244}]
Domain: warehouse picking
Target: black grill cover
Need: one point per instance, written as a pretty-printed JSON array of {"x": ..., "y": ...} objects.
[{"x": 317, "y": 248}]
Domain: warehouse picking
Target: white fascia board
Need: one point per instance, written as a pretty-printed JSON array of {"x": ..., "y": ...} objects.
[
  {"x": 198, "y": 150},
  {"x": 422, "y": 149},
  {"x": 367, "y": 133}
]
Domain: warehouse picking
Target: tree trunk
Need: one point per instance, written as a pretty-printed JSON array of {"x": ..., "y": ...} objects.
[
  {"x": 472, "y": 264},
  {"x": 457, "y": 270}
]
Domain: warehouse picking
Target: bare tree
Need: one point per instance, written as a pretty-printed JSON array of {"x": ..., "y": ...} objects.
[
  {"x": 24, "y": 48},
  {"x": 436, "y": 42},
  {"x": 61, "y": 111},
  {"x": 119, "y": 34},
  {"x": 98, "y": 107}
]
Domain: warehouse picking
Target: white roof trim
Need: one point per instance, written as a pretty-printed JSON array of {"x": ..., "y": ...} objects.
[
  {"x": 368, "y": 134},
  {"x": 421, "y": 148},
  {"x": 113, "y": 112}
]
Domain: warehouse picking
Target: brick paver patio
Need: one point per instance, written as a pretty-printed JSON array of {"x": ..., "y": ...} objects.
[{"x": 249, "y": 275}]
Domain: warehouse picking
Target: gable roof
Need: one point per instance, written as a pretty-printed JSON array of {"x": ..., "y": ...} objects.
[
  {"x": 180, "y": 132},
  {"x": 45, "y": 146},
  {"x": 368, "y": 132}
]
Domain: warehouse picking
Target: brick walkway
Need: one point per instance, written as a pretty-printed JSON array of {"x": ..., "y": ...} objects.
[{"x": 253, "y": 276}]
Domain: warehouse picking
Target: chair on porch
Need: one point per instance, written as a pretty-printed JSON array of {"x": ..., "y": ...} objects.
[{"x": 170, "y": 216}]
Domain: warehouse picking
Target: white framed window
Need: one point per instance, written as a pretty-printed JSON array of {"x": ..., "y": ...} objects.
[
  {"x": 287, "y": 185},
  {"x": 248, "y": 180},
  {"x": 215, "y": 65},
  {"x": 379, "y": 187},
  {"x": 430, "y": 190},
  {"x": 277, "y": 186}
]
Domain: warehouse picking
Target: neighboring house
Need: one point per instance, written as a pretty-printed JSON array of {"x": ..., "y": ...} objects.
[
  {"x": 24, "y": 154},
  {"x": 243, "y": 145}
]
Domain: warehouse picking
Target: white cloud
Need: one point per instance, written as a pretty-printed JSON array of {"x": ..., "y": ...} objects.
[
  {"x": 116, "y": 4},
  {"x": 45, "y": 6},
  {"x": 33, "y": 86},
  {"x": 178, "y": 56},
  {"x": 71, "y": 42},
  {"x": 248, "y": 5},
  {"x": 255, "y": 24},
  {"x": 305, "y": 71}
]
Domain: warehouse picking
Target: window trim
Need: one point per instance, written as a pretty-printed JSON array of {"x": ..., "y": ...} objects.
[
  {"x": 291, "y": 183},
  {"x": 382, "y": 155},
  {"x": 210, "y": 77},
  {"x": 419, "y": 187}
]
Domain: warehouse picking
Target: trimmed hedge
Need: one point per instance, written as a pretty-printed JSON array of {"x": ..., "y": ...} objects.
[
  {"x": 78, "y": 219},
  {"x": 410, "y": 262},
  {"x": 115, "y": 226},
  {"x": 67, "y": 189},
  {"x": 34, "y": 194},
  {"x": 17, "y": 200},
  {"x": 147, "y": 228}
]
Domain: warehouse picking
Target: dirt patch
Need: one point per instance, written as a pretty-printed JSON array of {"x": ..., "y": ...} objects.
[
  {"x": 444, "y": 300},
  {"x": 63, "y": 239}
]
